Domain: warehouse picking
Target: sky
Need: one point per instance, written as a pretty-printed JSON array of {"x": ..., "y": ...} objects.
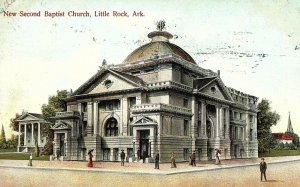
[{"x": 255, "y": 45}]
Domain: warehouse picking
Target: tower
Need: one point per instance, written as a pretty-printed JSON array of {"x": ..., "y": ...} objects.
[{"x": 289, "y": 127}]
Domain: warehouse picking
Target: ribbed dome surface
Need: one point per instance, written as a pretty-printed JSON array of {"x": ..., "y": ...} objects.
[{"x": 157, "y": 48}]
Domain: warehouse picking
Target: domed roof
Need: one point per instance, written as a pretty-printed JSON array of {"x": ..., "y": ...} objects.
[{"x": 159, "y": 46}]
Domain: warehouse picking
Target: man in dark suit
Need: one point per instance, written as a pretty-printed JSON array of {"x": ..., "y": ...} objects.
[
  {"x": 122, "y": 157},
  {"x": 193, "y": 159},
  {"x": 156, "y": 161},
  {"x": 263, "y": 168}
]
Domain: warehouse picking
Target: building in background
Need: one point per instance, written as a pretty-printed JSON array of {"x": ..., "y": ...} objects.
[
  {"x": 31, "y": 131},
  {"x": 287, "y": 137},
  {"x": 157, "y": 101}
]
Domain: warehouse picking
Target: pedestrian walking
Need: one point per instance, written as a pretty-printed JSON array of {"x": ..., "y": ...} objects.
[
  {"x": 122, "y": 157},
  {"x": 30, "y": 160},
  {"x": 90, "y": 161},
  {"x": 263, "y": 168},
  {"x": 218, "y": 154},
  {"x": 193, "y": 159},
  {"x": 173, "y": 163},
  {"x": 156, "y": 161}
]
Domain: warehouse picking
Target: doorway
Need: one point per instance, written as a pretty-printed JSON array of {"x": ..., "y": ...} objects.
[
  {"x": 62, "y": 144},
  {"x": 144, "y": 143}
]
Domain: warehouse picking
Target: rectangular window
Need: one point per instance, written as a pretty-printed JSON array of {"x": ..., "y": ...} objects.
[
  {"x": 236, "y": 133},
  {"x": 241, "y": 116},
  {"x": 250, "y": 135},
  {"x": 200, "y": 153},
  {"x": 129, "y": 152},
  {"x": 185, "y": 153},
  {"x": 185, "y": 103},
  {"x": 84, "y": 107},
  {"x": 130, "y": 127},
  {"x": 241, "y": 133},
  {"x": 185, "y": 127},
  {"x": 132, "y": 101},
  {"x": 116, "y": 154},
  {"x": 250, "y": 118},
  {"x": 106, "y": 153}
]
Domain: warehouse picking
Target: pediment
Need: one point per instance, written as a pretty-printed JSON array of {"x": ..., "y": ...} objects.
[
  {"x": 214, "y": 87},
  {"x": 143, "y": 120},
  {"x": 28, "y": 117},
  {"x": 61, "y": 125},
  {"x": 108, "y": 81}
]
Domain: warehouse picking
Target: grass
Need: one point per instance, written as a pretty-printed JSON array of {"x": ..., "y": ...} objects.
[
  {"x": 275, "y": 153},
  {"x": 22, "y": 156},
  {"x": 8, "y": 150}
]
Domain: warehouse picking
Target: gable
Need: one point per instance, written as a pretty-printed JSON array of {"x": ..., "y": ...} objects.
[
  {"x": 27, "y": 117},
  {"x": 214, "y": 90},
  {"x": 214, "y": 87},
  {"x": 61, "y": 125},
  {"x": 107, "y": 83},
  {"x": 142, "y": 120}
]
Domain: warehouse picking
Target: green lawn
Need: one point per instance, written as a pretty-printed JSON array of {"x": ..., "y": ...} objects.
[
  {"x": 22, "y": 156},
  {"x": 275, "y": 153},
  {"x": 8, "y": 150}
]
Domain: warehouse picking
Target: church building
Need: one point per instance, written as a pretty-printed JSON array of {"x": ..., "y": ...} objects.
[{"x": 158, "y": 100}]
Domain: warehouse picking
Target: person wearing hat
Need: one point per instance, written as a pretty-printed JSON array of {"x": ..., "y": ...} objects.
[
  {"x": 122, "y": 157},
  {"x": 193, "y": 159},
  {"x": 263, "y": 168}
]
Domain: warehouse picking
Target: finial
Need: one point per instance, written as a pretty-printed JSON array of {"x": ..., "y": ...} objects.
[
  {"x": 160, "y": 25},
  {"x": 104, "y": 62}
]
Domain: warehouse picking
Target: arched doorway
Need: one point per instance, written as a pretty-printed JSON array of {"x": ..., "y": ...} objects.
[{"x": 111, "y": 127}]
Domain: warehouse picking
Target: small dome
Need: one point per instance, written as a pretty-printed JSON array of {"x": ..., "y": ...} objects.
[{"x": 158, "y": 46}]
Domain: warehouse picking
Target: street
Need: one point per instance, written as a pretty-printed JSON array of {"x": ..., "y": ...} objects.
[{"x": 281, "y": 174}]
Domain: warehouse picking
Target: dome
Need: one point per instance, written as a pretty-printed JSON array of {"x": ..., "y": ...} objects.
[{"x": 159, "y": 46}]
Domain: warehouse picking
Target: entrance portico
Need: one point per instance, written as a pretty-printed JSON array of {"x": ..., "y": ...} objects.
[
  {"x": 144, "y": 136},
  {"x": 31, "y": 131}
]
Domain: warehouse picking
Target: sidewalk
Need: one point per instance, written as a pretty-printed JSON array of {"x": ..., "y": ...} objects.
[{"x": 140, "y": 168}]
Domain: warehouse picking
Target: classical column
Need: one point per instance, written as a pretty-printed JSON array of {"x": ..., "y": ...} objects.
[
  {"x": 255, "y": 128},
  {"x": 194, "y": 122},
  {"x": 120, "y": 129},
  {"x": 19, "y": 137},
  {"x": 32, "y": 140},
  {"x": 217, "y": 121},
  {"x": 39, "y": 134},
  {"x": 227, "y": 123},
  {"x": 203, "y": 119},
  {"x": 25, "y": 134},
  {"x": 221, "y": 122},
  {"x": 89, "y": 128},
  {"x": 125, "y": 116},
  {"x": 96, "y": 116}
]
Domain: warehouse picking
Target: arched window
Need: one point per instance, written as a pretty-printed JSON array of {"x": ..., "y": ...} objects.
[
  {"x": 111, "y": 127},
  {"x": 208, "y": 129}
]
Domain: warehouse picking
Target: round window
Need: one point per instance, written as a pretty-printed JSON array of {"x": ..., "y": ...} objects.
[
  {"x": 108, "y": 83},
  {"x": 213, "y": 89}
]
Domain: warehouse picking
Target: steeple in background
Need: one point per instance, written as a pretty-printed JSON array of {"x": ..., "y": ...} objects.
[{"x": 289, "y": 127}]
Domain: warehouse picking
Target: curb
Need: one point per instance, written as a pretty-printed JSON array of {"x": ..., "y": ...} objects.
[{"x": 162, "y": 173}]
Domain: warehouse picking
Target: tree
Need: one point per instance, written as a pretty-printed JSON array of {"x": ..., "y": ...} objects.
[
  {"x": 13, "y": 123},
  {"x": 55, "y": 104},
  {"x": 2, "y": 138},
  {"x": 295, "y": 139},
  {"x": 265, "y": 120}
]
